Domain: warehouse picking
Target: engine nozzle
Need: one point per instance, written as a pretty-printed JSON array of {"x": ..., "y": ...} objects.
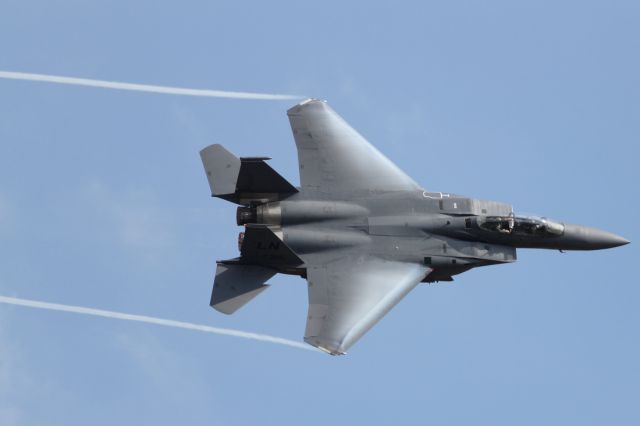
[
  {"x": 240, "y": 241},
  {"x": 246, "y": 215}
]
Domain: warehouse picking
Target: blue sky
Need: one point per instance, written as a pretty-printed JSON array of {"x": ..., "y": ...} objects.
[{"x": 103, "y": 203}]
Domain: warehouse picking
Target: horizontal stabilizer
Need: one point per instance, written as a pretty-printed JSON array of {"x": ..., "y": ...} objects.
[
  {"x": 236, "y": 285},
  {"x": 243, "y": 180}
]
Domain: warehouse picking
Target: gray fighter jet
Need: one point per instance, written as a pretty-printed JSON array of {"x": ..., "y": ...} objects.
[{"x": 359, "y": 230}]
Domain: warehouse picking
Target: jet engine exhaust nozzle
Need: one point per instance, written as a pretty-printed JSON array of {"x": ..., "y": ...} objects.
[{"x": 246, "y": 215}]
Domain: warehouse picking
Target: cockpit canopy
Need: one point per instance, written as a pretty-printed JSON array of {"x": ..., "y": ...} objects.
[{"x": 522, "y": 225}]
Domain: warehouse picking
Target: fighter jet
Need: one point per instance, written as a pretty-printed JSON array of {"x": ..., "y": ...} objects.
[{"x": 359, "y": 230}]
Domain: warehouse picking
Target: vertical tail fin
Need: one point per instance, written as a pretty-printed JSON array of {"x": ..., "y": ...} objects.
[{"x": 243, "y": 180}]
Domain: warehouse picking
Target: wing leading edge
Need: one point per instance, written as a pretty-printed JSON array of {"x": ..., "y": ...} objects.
[
  {"x": 333, "y": 156},
  {"x": 348, "y": 296}
]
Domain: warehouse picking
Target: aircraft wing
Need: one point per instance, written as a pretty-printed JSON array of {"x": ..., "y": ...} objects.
[
  {"x": 333, "y": 157},
  {"x": 349, "y": 295}
]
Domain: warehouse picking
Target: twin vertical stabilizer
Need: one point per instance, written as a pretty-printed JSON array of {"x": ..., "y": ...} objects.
[{"x": 248, "y": 180}]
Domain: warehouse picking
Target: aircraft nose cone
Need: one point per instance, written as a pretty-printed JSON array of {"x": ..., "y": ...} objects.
[{"x": 586, "y": 238}]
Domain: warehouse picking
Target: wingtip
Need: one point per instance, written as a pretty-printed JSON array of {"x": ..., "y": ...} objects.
[
  {"x": 308, "y": 103},
  {"x": 330, "y": 348},
  {"x": 312, "y": 100}
]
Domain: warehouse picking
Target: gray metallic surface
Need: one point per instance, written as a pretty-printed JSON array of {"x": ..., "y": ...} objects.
[
  {"x": 350, "y": 294},
  {"x": 222, "y": 169},
  {"x": 360, "y": 230},
  {"x": 236, "y": 285},
  {"x": 334, "y": 158}
]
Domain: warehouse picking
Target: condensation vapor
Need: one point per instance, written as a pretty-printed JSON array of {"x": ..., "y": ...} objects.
[
  {"x": 12, "y": 75},
  {"x": 152, "y": 320}
]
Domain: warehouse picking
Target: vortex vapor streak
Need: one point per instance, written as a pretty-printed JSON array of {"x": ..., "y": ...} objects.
[
  {"x": 12, "y": 75},
  {"x": 151, "y": 320}
]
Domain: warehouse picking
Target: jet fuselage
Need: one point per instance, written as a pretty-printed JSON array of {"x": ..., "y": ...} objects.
[{"x": 449, "y": 233}]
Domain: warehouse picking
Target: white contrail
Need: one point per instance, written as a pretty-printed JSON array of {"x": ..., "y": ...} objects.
[
  {"x": 151, "y": 320},
  {"x": 144, "y": 87}
]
